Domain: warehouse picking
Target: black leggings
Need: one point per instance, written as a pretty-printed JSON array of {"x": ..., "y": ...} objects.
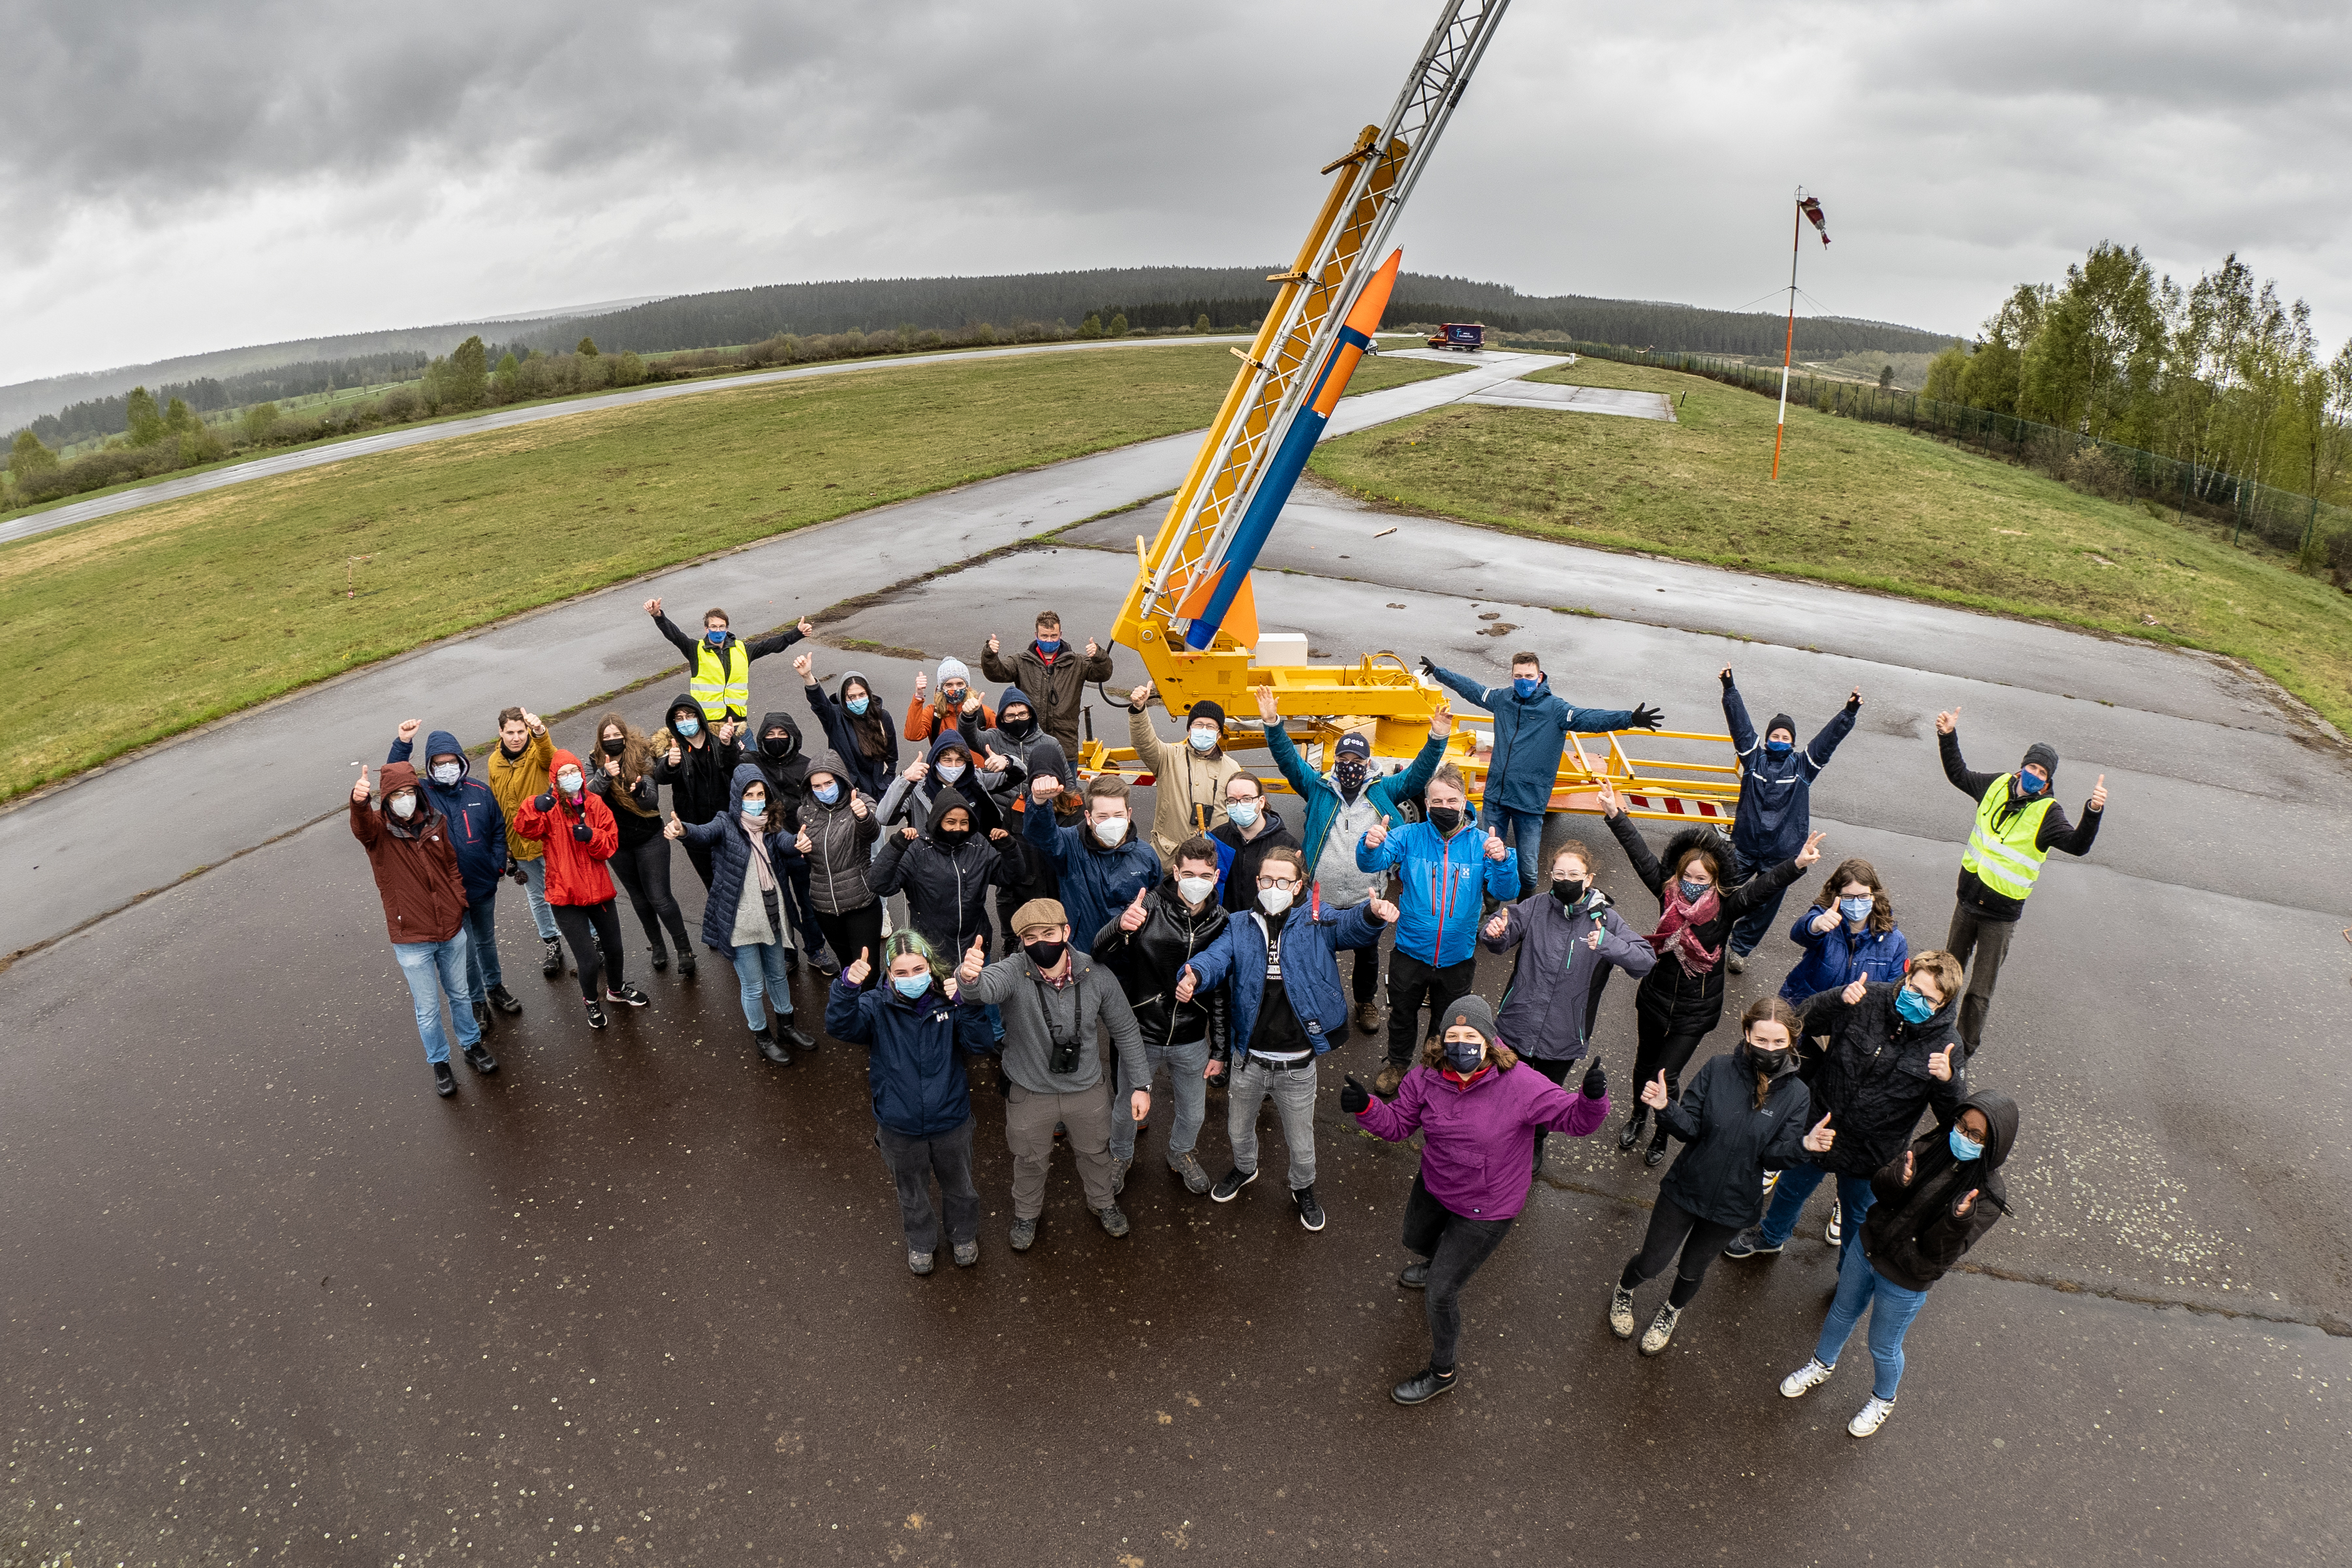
[
  {"x": 1674, "y": 1228},
  {"x": 1366, "y": 980},
  {"x": 644, "y": 874},
  {"x": 1456, "y": 1249},
  {"x": 859, "y": 931},
  {"x": 1664, "y": 1048},
  {"x": 590, "y": 927},
  {"x": 1411, "y": 982}
]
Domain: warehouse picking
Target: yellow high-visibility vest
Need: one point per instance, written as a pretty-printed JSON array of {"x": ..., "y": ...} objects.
[
  {"x": 2008, "y": 857},
  {"x": 721, "y": 685}
]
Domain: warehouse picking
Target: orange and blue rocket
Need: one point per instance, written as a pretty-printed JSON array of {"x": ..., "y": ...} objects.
[{"x": 1290, "y": 458}]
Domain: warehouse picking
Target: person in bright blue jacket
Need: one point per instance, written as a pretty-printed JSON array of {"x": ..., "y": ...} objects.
[
  {"x": 1444, "y": 867},
  {"x": 1102, "y": 864},
  {"x": 1531, "y": 728},
  {"x": 1848, "y": 934},
  {"x": 918, "y": 1031},
  {"x": 1776, "y": 801},
  {"x": 477, "y": 830}
]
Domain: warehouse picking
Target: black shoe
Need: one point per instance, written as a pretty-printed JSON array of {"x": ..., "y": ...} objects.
[
  {"x": 685, "y": 963},
  {"x": 825, "y": 963},
  {"x": 775, "y": 1050},
  {"x": 479, "y": 1058},
  {"x": 1423, "y": 1386},
  {"x": 793, "y": 957},
  {"x": 1113, "y": 1220},
  {"x": 660, "y": 959},
  {"x": 550, "y": 958},
  {"x": 1415, "y": 1276},
  {"x": 800, "y": 1039},
  {"x": 1750, "y": 1243},
  {"x": 482, "y": 1017},
  {"x": 1310, "y": 1212},
  {"x": 1657, "y": 1149},
  {"x": 1632, "y": 1133},
  {"x": 503, "y": 999},
  {"x": 1230, "y": 1185},
  {"x": 444, "y": 1082},
  {"x": 596, "y": 1016},
  {"x": 626, "y": 994}
]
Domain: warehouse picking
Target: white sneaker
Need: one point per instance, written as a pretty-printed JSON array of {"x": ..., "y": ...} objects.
[
  {"x": 1836, "y": 1231},
  {"x": 1870, "y": 1417},
  {"x": 1661, "y": 1332},
  {"x": 1804, "y": 1380},
  {"x": 1621, "y": 1313}
]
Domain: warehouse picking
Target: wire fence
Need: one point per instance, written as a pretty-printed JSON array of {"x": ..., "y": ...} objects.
[{"x": 2315, "y": 532}]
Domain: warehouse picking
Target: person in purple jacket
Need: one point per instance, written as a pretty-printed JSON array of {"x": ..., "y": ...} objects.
[{"x": 1477, "y": 1116}]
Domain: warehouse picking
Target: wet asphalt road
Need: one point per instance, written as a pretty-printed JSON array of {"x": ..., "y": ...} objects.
[{"x": 639, "y": 1298}]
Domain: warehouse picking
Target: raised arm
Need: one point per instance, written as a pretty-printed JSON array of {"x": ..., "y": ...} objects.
[
  {"x": 1744, "y": 737},
  {"x": 677, "y": 639},
  {"x": 776, "y": 642},
  {"x": 1826, "y": 745},
  {"x": 1948, "y": 746},
  {"x": 1462, "y": 686},
  {"x": 1629, "y": 838}
]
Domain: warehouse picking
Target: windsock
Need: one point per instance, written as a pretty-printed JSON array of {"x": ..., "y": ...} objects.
[{"x": 1297, "y": 445}]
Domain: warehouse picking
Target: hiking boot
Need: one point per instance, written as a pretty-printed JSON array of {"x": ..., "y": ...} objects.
[
  {"x": 1310, "y": 1212},
  {"x": 503, "y": 999},
  {"x": 799, "y": 1039},
  {"x": 1113, "y": 1222},
  {"x": 550, "y": 958},
  {"x": 1804, "y": 1380},
  {"x": 1423, "y": 1386},
  {"x": 1118, "y": 1170},
  {"x": 1834, "y": 1232},
  {"x": 1415, "y": 1276},
  {"x": 1632, "y": 1132},
  {"x": 967, "y": 1253},
  {"x": 444, "y": 1082},
  {"x": 773, "y": 1049},
  {"x": 479, "y": 1058},
  {"x": 1870, "y": 1417},
  {"x": 659, "y": 959},
  {"x": 922, "y": 1262},
  {"x": 1385, "y": 1083},
  {"x": 482, "y": 1017},
  {"x": 1367, "y": 1017},
  {"x": 685, "y": 963},
  {"x": 1230, "y": 1185},
  {"x": 1656, "y": 1151},
  {"x": 1621, "y": 1313},
  {"x": 1661, "y": 1332},
  {"x": 1188, "y": 1167},
  {"x": 1750, "y": 1243},
  {"x": 1024, "y": 1232},
  {"x": 596, "y": 1015},
  {"x": 626, "y": 994}
]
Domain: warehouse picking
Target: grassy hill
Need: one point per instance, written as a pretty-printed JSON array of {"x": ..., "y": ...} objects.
[{"x": 1868, "y": 505}]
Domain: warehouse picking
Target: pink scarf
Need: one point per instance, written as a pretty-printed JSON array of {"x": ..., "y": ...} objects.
[
  {"x": 1677, "y": 933},
  {"x": 763, "y": 872}
]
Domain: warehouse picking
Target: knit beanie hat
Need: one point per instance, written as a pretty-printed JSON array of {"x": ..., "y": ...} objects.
[
  {"x": 953, "y": 669},
  {"x": 1204, "y": 708},
  {"x": 2043, "y": 755}
]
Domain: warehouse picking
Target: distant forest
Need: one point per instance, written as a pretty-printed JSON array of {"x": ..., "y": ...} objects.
[{"x": 205, "y": 395}]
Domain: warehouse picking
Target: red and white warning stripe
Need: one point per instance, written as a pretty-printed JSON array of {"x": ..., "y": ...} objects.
[{"x": 1676, "y": 805}]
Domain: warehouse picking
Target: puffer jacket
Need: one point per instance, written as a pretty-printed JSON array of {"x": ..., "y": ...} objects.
[
  {"x": 514, "y": 780},
  {"x": 576, "y": 867},
  {"x": 1530, "y": 732},
  {"x": 842, "y": 730},
  {"x": 699, "y": 783},
  {"x": 1679, "y": 1000},
  {"x": 1440, "y": 881},
  {"x": 786, "y": 771},
  {"x": 1310, "y": 971},
  {"x": 416, "y": 867},
  {"x": 1554, "y": 993},
  {"x": 1094, "y": 883},
  {"x": 841, "y": 844},
  {"x": 731, "y": 863},
  {"x": 1148, "y": 960},
  {"x": 947, "y": 890},
  {"x": 915, "y": 1069},
  {"x": 1776, "y": 808},
  {"x": 1478, "y": 1138},
  {"x": 478, "y": 827},
  {"x": 1056, "y": 684},
  {"x": 1729, "y": 1144},
  {"x": 1874, "y": 1077},
  {"x": 1188, "y": 789},
  {"x": 1384, "y": 794},
  {"x": 1914, "y": 1235},
  {"x": 1836, "y": 958}
]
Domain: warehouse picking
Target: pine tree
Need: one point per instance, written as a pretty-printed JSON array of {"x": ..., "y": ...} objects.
[
  {"x": 146, "y": 424},
  {"x": 1092, "y": 326},
  {"x": 587, "y": 349},
  {"x": 461, "y": 383},
  {"x": 1200, "y": 322},
  {"x": 1118, "y": 328}
]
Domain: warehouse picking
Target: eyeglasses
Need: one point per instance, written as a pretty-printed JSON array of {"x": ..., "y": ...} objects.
[{"x": 1272, "y": 882}]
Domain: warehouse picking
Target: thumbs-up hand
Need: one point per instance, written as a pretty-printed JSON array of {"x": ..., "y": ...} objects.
[
  {"x": 676, "y": 752},
  {"x": 803, "y": 843},
  {"x": 856, "y": 972},
  {"x": 1186, "y": 984},
  {"x": 1654, "y": 1093},
  {"x": 921, "y": 680},
  {"x": 1139, "y": 696},
  {"x": 1960, "y": 1210},
  {"x": 1377, "y": 834},
  {"x": 992, "y": 647},
  {"x": 1822, "y": 1135},
  {"x": 1354, "y": 1099},
  {"x": 1135, "y": 914},
  {"x": 653, "y": 607},
  {"x": 857, "y": 805},
  {"x": 2099, "y": 795},
  {"x": 975, "y": 959},
  {"x": 1940, "y": 1065},
  {"x": 674, "y": 828},
  {"x": 915, "y": 770},
  {"x": 1498, "y": 925},
  {"x": 1910, "y": 1164},
  {"x": 1853, "y": 992},
  {"x": 359, "y": 790},
  {"x": 1093, "y": 651},
  {"x": 1826, "y": 921},
  {"x": 1496, "y": 848},
  {"x": 1947, "y": 722},
  {"x": 1812, "y": 849},
  {"x": 802, "y": 664},
  {"x": 1382, "y": 908},
  {"x": 1592, "y": 939},
  {"x": 807, "y": 629}
]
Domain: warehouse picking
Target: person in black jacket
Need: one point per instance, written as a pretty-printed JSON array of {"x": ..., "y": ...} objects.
[
  {"x": 1935, "y": 1202},
  {"x": 716, "y": 651},
  {"x": 1890, "y": 1053},
  {"x": 945, "y": 871},
  {"x": 1680, "y": 999},
  {"x": 1997, "y": 871},
  {"x": 1147, "y": 947},
  {"x": 781, "y": 757},
  {"x": 698, "y": 762},
  {"x": 856, "y": 725},
  {"x": 1744, "y": 1114},
  {"x": 1252, "y": 827},
  {"x": 621, "y": 770}
]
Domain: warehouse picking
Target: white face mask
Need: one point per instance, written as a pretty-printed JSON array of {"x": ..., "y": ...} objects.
[
  {"x": 446, "y": 774},
  {"x": 403, "y": 806},
  {"x": 950, "y": 772},
  {"x": 1196, "y": 889},
  {"x": 1273, "y": 901},
  {"x": 570, "y": 781},
  {"x": 1204, "y": 738},
  {"x": 1111, "y": 830}
]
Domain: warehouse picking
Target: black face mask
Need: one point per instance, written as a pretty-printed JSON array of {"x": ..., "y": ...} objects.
[
  {"x": 1018, "y": 728},
  {"x": 1349, "y": 777},
  {"x": 776, "y": 745},
  {"x": 1567, "y": 890},
  {"x": 1043, "y": 955},
  {"x": 614, "y": 748},
  {"x": 1445, "y": 819},
  {"x": 951, "y": 839},
  {"x": 1766, "y": 1062}
]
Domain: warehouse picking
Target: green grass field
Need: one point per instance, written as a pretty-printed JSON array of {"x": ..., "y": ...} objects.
[
  {"x": 135, "y": 627},
  {"x": 1866, "y": 505}
]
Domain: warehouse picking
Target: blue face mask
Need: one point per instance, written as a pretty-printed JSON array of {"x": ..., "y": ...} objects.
[
  {"x": 1693, "y": 891},
  {"x": 2028, "y": 783},
  {"x": 826, "y": 794},
  {"x": 1241, "y": 813},
  {"x": 755, "y": 809},
  {"x": 1915, "y": 1007},
  {"x": 1526, "y": 687},
  {"x": 912, "y": 985},
  {"x": 1049, "y": 644},
  {"x": 689, "y": 728},
  {"x": 857, "y": 705},
  {"x": 1962, "y": 1149},
  {"x": 1779, "y": 748},
  {"x": 1857, "y": 910},
  {"x": 1462, "y": 1055},
  {"x": 717, "y": 638}
]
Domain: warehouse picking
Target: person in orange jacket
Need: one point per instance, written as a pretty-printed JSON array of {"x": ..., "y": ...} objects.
[
  {"x": 956, "y": 706},
  {"x": 579, "y": 834}
]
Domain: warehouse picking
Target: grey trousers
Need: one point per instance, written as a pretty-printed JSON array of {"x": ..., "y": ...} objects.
[
  {"x": 912, "y": 1162},
  {"x": 1294, "y": 1099},
  {"x": 1029, "y": 1119},
  {"x": 1981, "y": 945}
]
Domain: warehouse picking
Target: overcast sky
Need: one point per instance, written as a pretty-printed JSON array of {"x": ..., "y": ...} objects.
[{"x": 203, "y": 174}]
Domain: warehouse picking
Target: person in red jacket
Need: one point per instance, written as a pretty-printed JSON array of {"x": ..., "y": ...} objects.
[
  {"x": 415, "y": 867},
  {"x": 580, "y": 835}
]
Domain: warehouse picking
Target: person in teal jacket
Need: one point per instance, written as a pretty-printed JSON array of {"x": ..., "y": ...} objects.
[
  {"x": 1531, "y": 728},
  {"x": 1438, "y": 864},
  {"x": 1340, "y": 805}
]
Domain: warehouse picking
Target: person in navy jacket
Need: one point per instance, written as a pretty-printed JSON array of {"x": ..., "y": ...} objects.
[{"x": 1776, "y": 802}]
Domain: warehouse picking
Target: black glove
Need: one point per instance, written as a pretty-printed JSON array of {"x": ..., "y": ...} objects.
[
  {"x": 1353, "y": 1099},
  {"x": 1596, "y": 1081},
  {"x": 1646, "y": 717},
  {"x": 514, "y": 869},
  {"x": 1428, "y": 668},
  {"x": 580, "y": 832},
  {"x": 544, "y": 802}
]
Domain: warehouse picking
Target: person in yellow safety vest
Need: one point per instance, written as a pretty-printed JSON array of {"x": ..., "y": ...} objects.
[
  {"x": 718, "y": 663},
  {"x": 2018, "y": 824}
]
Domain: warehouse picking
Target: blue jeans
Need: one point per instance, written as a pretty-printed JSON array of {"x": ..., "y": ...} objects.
[
  {"x": 1190, "y": 1088},
  {"x": 482, "y": 949},
  {"x": 1751, "y": 928},
  {"x": 534, "y": 890},
  {"x": 1797, "y": 1184},
  {"x": 1524, "y": 831},
  {"x": 764, "y": 963},
  {"x": 1891, "y": 1308},
  {"x": 432, "y": 968}
]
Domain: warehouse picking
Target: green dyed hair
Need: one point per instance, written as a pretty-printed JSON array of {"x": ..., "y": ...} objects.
[{"x": 900, "y": 942}]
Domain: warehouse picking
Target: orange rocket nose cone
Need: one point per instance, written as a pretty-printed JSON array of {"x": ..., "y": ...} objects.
[{"x": 1374, "y": 302}]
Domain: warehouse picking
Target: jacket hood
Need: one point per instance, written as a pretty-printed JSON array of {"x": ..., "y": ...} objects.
[
  {"x": 683, "y": 702},
  {"x": 746, "y": 775},
  {"x": 949, "y": 741},
  {"x": 1472, "y": 1010},
  {"x": 1712, "y": 841},
  {"x": 397, "y": 776},
  {"x": 2044, "y": 755},
  {"x": 946, "y": 800},
  {"x": 841, "y": 688},
  {"x": 1999, "y": 1112},
  {"x": 1044, "y": 754},
  {"x": 556, "y": 764},
  {"x": 782, "y": 721},
  {"x": 1015, "y": 694},
  {"x": 441, "y": 743},
  {"x": 829, "y": 763}
]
